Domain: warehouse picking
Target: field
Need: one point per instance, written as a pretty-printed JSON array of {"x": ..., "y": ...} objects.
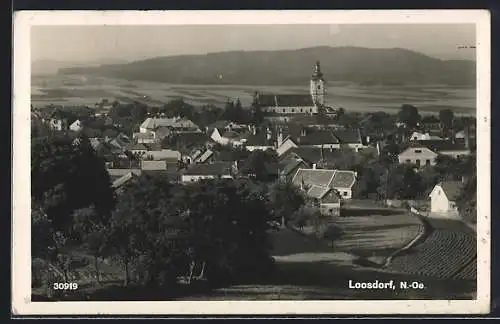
[
  {"x": 447, "y": 252},
  {"x": 80, "y": 90}
]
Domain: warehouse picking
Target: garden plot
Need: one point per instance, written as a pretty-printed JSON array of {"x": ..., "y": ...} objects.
[{"x": 376, "y": 234}]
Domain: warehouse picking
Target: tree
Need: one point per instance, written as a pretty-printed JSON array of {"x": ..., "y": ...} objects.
[
  {"x": 256, "y": 111},
  {"x": 285, "y": 199},
  {"x": 446, "y": 117},
  {"x": 409, "y": 115},
  {"x": 401, "y": 182},
  {"x": 331, "y": 233},
  {"x": 467, "y": 201},
  {"x": 66, "y": 177},
  {"x": 257, "y": 164}
]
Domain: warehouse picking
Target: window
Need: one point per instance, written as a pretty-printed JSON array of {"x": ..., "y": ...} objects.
[
  {"x": 319, "y": 86},
  {"x": 408, "y": 161},
  {"x": 418, "y": 151},
  {"x": 301, "y": 110},
  {"x": 345, "y": 193},
  {"x": 427, "y": 162},
  {"x": 417, "y": 162},
  {"x": 283, "y": 109}
]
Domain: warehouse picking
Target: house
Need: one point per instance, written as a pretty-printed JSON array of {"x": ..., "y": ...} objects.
[
  {"x": 118, "y": 184},
  {"x": 195, "y": 172},
  {"x": 153, "y": 165},
  {"x": 205, "y": 157},
  {"x": 138, "y": 149},
  {"x": 158, "y": 154},
  {"x": 188, "y": 141},
  {"x": 175, "y": 124},
  {"x": 288, "y": 168},
  {"x": 455, "y": 148},
  {"x": 342, "y": 181},
  {"x": 144, "y": 138},
  {"x": 282, "y": 107},
  {"x": 321, "y": 157},
  {"x": 444, "y": 199},
  {"x": 231, "y": 137},
  {"x": 418, "y": 155},
  {"x": 418, "y": 136},
  {"x": 58, "y": 120},
  {"x": 260, "y": 140},
  {"x": 284, "y": 145},
  {"x": 76, "y": 126},
  {"x": 430, "y": 123},
  {"x": 327, "y": 198},
  {"x": 117, "y": 173}
]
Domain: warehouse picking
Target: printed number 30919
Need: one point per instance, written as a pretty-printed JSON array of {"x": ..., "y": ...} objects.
[{"x": 65, "y": 286}]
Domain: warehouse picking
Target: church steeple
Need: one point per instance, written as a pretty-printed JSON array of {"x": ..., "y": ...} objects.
[
  {"x": 317, "y": 86},
  {"x": 317, "y": 74}
]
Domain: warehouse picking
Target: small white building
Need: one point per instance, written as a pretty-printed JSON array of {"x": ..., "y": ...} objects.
[
  {"x": 418, "y": 155},
  {"x": 444, "y": 199},
  {"x": 214, "y": 170},
  {"x": 76, "y": 126}
]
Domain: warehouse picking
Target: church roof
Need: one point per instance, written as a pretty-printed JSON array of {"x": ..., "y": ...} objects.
[{"x": 286, "y": 100}]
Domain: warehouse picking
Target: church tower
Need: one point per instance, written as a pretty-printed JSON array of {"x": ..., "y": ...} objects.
[{"x": 318, "y": 89}]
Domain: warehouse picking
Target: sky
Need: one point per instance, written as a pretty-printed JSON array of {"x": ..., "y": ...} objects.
[{"x": 129, "y": 43}]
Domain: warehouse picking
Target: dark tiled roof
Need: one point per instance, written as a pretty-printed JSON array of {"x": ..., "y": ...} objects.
[
  {"x": 260, "y": 139},
  {"x": 216, "y": 168},
  {"x": 451, "y": 189},
  {"x": 317, "y": 137},
  {"x": 287, "y": 168},
  {"x": 343, "y": 179},
  {"x": 310, "y": 177},
  {"x": 190, "y": 139},
  {"x": 442, "y": 146},
  {"x": 286, "y": 100},
  {"x": 348, "y": 136},
  {"x": 317, "y": 192}
]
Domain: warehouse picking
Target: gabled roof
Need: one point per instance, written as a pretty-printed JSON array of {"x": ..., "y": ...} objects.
[
  {"x": 317, "y": 192},
  {"x": 443, "y": 146},
  {"x": 143, "y": 136},
  {"x": 137, "y": 147},
  {"x": 285, "y": 100},
  {"x": 175, "y": 122},
  {"x": 260, "y": 139},
  {"x": 123, "y": 180},
  {"x": 153, "y": 165},
  {"x": 216, "y": 168},
  {"x": 451, "y": 189},
  {"x": 314, "y": 154},
  {"x": 287, "y": 168},
  {"x": 348, "y": 136},
  {"x": 318, "y": 137},
  {"x": 309, "y": 177},
  {"x": 205, "y": 156},
  {"x": 343, "y": 179}
]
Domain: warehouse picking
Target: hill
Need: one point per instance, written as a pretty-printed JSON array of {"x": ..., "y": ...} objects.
[
  {"x": 292, "y": 67},
  {"x": 48, "y": 67}
]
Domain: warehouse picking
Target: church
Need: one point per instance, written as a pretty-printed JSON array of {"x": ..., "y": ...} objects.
[{"x": 282, "y": 107}]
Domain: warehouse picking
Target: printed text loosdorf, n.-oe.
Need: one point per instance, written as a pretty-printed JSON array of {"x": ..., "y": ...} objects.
[{"x": 371, "y": 285}]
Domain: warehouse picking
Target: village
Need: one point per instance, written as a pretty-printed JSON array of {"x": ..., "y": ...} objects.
[
  {"x": 341, "y": 163},
  {"x": 322, "y": 157}
]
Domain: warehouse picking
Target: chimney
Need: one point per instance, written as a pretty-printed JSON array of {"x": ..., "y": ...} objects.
[
  {"x": 254, "y": 130},
  {"x": 314, "y": 166},
  {"x": 303, "y": 132},
  {"x": 367, "y": 139},
  {"x": 269, "y": 134},
  {"x": 280, "y": 137}
]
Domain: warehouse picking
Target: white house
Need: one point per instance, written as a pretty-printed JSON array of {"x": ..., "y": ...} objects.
[
  {"x": 214, "y": 170},
  {"x": 418, "y": 136},
  {"x": 153, "y": 165},
  {"x": 175, "y": 124},
  {"x": 228, "y": 137},
  {"x": 285, "y": 145},
  {"x": 76, "y": 126},
  {"x": 444, "y": 199},
  {"x": 418, "y": 155},
  {"x": 163, "y": 154}
]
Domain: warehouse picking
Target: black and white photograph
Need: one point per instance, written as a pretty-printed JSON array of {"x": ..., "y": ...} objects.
[{"x": 228, "y": 158}]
